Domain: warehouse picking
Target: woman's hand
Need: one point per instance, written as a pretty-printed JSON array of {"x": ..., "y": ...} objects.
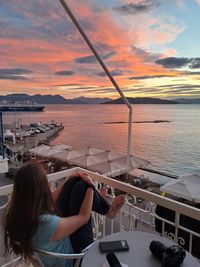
[
  {"x": 82, "y": 175},
  {"x": 86, "y": 178}
]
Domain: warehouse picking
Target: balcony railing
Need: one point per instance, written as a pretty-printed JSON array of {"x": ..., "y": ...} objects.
[{"x": 131, "y": 217}]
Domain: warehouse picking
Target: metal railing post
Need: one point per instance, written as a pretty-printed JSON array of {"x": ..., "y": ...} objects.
[
  {"x": 125, "y": 100},
  {"x": 1, "y": 137}
]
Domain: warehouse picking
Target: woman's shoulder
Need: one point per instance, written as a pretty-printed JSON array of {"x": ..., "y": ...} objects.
[
  {"x": 47, "y": 224},
  {"x": 48, "y": 218}
]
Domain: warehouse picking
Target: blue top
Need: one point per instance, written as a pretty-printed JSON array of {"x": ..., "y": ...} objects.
[{"x": 42, "y": 240}]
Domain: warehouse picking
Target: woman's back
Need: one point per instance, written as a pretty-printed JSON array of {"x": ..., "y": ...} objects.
[{"x": 42, "y": 240}]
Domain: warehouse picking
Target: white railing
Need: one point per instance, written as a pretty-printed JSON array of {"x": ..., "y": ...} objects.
[{"x": 131, "y": 216}]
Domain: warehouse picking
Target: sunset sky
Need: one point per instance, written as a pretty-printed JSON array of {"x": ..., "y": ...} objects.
[{"x": 151, "y": 47}]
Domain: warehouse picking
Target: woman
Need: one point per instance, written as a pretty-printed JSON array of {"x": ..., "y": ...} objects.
[{"x": 58, "y": 221}]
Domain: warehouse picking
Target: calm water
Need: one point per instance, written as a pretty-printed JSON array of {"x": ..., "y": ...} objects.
[{"x": 172, "y": 147}]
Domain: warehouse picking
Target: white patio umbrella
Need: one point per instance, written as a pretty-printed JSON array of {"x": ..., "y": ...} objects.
[
  {"x": 81, "y": 157},
  {"x": 49, "y": 151},
  {"x": 186, "y": 186},
  {"x": 90, "y": 159},
  {"x": 118, "y": 166},
  {"x": 62, "y": 147},
  {"x": 102, "y": 161},
  {"x": 87, "y": 151},
  {"x": 137, "y": 162},
  {"x": 40, "y": 150},
  {"x": 109, "y": 168},
  {"x": 62, "y": 155}
]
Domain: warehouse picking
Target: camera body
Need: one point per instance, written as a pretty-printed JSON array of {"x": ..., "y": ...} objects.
[{"x": 171, "y": 256}]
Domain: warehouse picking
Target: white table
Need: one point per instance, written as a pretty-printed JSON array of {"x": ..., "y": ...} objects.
[{"x": 138, "y": 255}]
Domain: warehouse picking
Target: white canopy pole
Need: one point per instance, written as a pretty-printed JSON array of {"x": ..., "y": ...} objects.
[{"x": 85, "y": 37}]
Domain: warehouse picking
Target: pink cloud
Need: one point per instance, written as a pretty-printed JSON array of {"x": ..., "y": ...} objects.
[
  {"x": 169, "y": 52},
  {"x": 53, "y": 44}
]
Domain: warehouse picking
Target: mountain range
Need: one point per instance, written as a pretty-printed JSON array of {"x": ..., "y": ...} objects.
[
  {"x": 58, "y": 99},
  {"x": 52, "y": 99},
  {"x": 188, "y": 100},
  {"x": 142, "y": 100}
]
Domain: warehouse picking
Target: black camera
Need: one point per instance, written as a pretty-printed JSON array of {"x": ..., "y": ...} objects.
[{"x": 171, "y": 256}]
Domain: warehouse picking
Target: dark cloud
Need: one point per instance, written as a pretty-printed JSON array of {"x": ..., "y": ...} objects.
[
  {"x": 113, "y": 73},
  {"x": 83, "y": 88},
  {"x": 16, "y": 71},
  {"x": 12, "y": 77},
  {"x": 148, "y": 77},
  {"x": 175, "y": 62},
  {"x": 14, "y": 74},
  {"x": 92, "y": 59},
  {"x": 65, "y": 73},
  {"x": 181, "y": 89},
  {"x": 103, "y": 47},
  {"x": 170, "y": 85},
  {"x": 134, "y": 8},
  {"x": 195, "y": 63},
  {"x": 191, "y": 73},
  {"x": 68, "y": 84},
  {"x": 87, "y": 59},
  {"x": 188, "y": 86},
  {"x": 146, "y": 55}
]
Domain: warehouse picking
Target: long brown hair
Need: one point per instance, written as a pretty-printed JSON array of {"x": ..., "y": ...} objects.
[{"x": 31, "y": 197}]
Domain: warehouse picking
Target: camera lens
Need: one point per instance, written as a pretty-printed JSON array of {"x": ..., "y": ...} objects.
[
  {"x": 171, "y": 256},
  {"x": 157, "y": 248}
]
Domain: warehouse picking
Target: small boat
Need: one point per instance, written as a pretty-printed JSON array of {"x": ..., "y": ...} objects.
[{"x": 19, "y": 106}]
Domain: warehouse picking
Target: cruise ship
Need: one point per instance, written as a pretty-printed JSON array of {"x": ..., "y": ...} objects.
[{"x": 19, "y": 106}]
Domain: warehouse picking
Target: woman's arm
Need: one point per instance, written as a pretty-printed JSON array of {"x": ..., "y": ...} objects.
[{"x": 69, "y": 225}]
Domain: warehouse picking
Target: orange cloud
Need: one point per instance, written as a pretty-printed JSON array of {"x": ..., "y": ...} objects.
[{"x": 52, "y": 44}]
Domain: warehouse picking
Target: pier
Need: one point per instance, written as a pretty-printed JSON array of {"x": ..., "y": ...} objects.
[{"x": 24, "y": 143}]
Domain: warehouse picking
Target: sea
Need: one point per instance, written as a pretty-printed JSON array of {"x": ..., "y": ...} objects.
[{"x": 172, "y": 146}]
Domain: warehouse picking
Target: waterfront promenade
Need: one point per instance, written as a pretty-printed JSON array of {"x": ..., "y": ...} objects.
[{"x": 35, "y": 140}]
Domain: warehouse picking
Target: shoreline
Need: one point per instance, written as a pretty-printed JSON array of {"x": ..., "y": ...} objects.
[
  {"x": 29, "y": 142},
  {"x": 120, "y": 122}
]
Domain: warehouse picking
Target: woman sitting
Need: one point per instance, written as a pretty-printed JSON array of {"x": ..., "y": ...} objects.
[{"x": 58, "y": 221}]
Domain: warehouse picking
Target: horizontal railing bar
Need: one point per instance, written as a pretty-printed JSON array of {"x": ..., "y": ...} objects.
[
  {"x": 152, "y": 197},
  {"x": 177, "y": 207},
  {"x": 127, "y": 188}
]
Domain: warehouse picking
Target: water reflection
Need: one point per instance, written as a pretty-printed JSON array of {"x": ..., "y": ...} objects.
[{"x": 170, "y": 146}]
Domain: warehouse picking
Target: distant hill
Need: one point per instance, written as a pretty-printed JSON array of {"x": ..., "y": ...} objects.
[
  {"x": 142, "y": 100},
  {"x": 52, "y": 99},
  {"x": 39, "y": 99},
  {"x": 58, "y": 99},
  {"x": 187, "y": 100},
  {"x": 87, "y": 100}
]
